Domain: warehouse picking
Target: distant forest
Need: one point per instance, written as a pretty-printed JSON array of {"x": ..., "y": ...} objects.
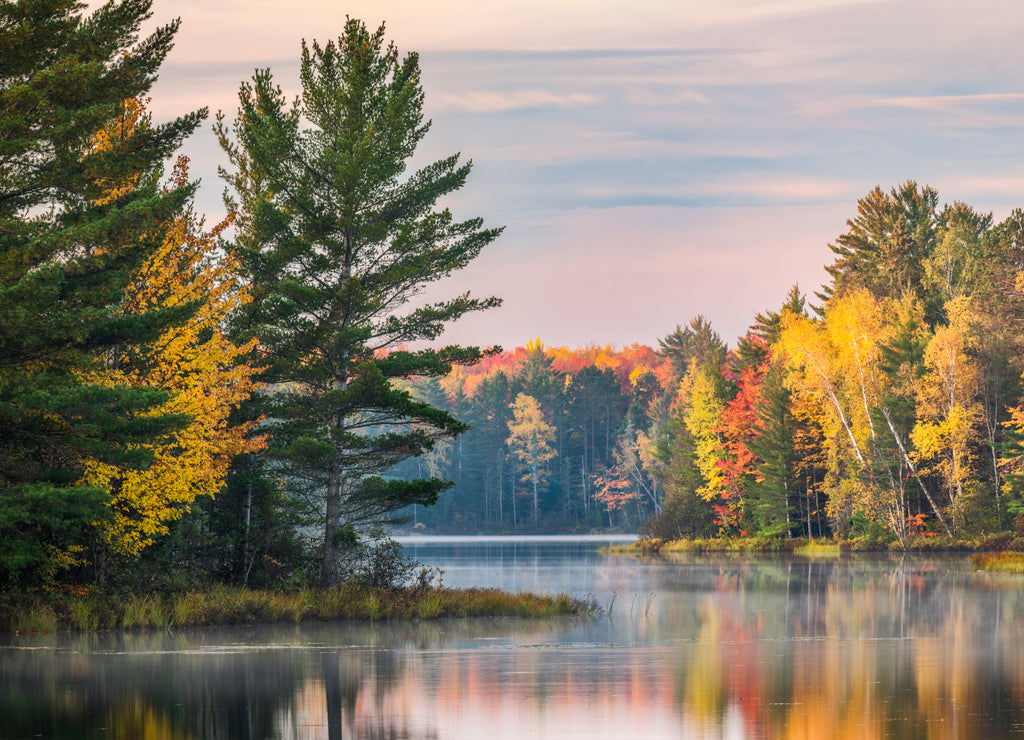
[{"x": 888, "y": 405}]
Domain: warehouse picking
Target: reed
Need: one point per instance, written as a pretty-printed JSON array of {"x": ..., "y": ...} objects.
[
  {"x": 999, "y": 562},
  {"x": 819, "y": 549},
  {"x": 715, "y": 544}
]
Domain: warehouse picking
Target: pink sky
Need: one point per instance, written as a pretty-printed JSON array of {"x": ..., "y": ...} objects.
[{"x": 654, "y": 160}]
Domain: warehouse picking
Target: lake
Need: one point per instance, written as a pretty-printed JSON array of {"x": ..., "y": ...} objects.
[{"x": 716, "y": 646}]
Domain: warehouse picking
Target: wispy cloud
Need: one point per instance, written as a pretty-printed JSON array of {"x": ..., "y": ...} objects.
[
  {"x": 979, "y": 108},
  {"x": 490, "y": 101},
  {"x": 946, "y": 103},
  {"x": 743, "y": 189},
  {"x": 784, "y": 188}
]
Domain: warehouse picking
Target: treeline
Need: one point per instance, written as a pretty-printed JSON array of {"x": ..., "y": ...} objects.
[{"x": 887, "y": 406}]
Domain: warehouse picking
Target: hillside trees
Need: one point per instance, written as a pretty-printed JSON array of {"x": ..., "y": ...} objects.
[
  {"x": 69, "y": 249},
  {"x": 337, "y": 240}
]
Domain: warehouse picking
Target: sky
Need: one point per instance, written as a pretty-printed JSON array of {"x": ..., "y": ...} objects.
[{"x": 653, "y": 160}]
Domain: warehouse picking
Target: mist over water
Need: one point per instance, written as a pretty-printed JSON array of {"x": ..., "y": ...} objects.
[{"x": 699, "y": 647}]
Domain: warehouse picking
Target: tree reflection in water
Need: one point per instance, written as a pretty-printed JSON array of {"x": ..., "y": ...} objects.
[{"x": 739, "y": 648}]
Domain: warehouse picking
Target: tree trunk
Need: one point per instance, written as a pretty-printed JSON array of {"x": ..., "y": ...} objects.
[
  {"x": 247, "y": 521},
  {"x": 332, "y": 523},
  {"x": 910, "y": 465},
  {"x": 536, "y": 507}
]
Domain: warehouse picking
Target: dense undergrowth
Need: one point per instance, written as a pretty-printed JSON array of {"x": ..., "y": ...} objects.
[{"x": 225, "y": 605}]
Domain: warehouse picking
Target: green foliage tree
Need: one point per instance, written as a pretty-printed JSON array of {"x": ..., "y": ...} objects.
[
  {"x": 696, "y": 344},
  {"x": 684, "y": 513},
  {"x": 769, "y": 495},
  {"x": 888, "y": 244},
  {"x": 337, "y": 239},
  {"x": 595, "y": 406},
  {"x": 72, "y": 238}
]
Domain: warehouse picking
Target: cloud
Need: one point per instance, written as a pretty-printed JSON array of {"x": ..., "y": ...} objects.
[
  {"x": 489, "y": 101},
  {"x": 785, "y": 188},
  {"x": 949, "y": 102},
  {"x": 742, "y": 189}
]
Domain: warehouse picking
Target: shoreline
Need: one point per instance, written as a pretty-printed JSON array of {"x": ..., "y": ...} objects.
[{"x": 1005, "y": 543}]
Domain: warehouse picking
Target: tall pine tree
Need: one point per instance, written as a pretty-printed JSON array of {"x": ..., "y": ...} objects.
[{"x": 337, "y": 239}]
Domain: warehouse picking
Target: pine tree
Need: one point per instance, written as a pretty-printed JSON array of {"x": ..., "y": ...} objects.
[
  {"x": 769, "y": 496},
  {"x": 336, "y": 240},
  {"x": 684, "y": 513},
  {"x": 887, "y": 244},
  {"x": 697, "y": 344},
  {"x": 68, "y": 251}
]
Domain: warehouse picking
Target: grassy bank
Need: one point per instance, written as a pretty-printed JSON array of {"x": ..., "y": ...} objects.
[
  {"x": 819, "y": 547},
  {"x": 655, "y": 546},
  {"x": 222, "y": 605},
  {"x": 999, "y": 562}
]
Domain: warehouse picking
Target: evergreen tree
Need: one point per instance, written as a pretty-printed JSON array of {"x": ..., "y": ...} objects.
[
  {"x": 697, "y": 344},
  {"x": 887, "y": 245},
  {"x": 491, "y": 412},
  {"x": 336, "y": 240},
  {"x": 77, "y": 222},
  {"x": 769, "y": 497},
  {"x": 684, "y": 513}
]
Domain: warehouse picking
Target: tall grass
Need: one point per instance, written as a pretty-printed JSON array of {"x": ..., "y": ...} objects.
[
  {"x": 819, "y": 549},
  {"x": 653, "y": 546},
  {"x": 999, "y": 562},
  {"x": 224, "y": 605}
]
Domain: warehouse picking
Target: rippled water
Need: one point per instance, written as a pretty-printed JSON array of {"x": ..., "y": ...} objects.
[{"x": 701, "y": 647}]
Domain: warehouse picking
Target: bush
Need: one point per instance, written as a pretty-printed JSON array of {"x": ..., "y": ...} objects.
[{"x": 380, "y": 562}]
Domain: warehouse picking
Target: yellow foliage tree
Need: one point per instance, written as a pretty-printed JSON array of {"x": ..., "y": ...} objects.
[
  {"x": 837, "y": 364},
  {"x": 203, "y": 371},
  {"x": 702, "y": 389},
  {"x": 531, "y": 438},
  {"x": 948, "y": 409},
  {"x": 817, "y": 372}
]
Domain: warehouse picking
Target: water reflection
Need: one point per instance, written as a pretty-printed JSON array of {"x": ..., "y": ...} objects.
[{"x": 737, "y": 648}]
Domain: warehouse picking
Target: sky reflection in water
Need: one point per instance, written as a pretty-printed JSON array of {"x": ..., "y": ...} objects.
[{"x": 702, "y": 647}]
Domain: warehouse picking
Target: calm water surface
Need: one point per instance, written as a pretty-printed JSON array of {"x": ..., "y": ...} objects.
[{"x": 702, "y": 647}]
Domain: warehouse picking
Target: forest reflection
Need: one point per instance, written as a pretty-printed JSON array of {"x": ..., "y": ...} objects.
[{"x": 777, "y": 649}]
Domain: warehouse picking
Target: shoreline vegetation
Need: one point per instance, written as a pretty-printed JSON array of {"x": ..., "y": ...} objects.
[
  {"x": 996, "y": 552},
  {"x": 220, "y": 605},
  {"x": 1003, "y": 553}
]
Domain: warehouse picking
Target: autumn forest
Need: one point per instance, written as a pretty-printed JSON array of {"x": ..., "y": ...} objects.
[
  {"x": 886, "y": 406},
  {"x": 252, "y": 401}
]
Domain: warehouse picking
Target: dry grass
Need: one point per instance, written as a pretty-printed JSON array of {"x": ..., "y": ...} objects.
[
  {"x": 224, "y": 605},
  {"x": 999, "y": 562},
  {"x": 819, "y": 549}
]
